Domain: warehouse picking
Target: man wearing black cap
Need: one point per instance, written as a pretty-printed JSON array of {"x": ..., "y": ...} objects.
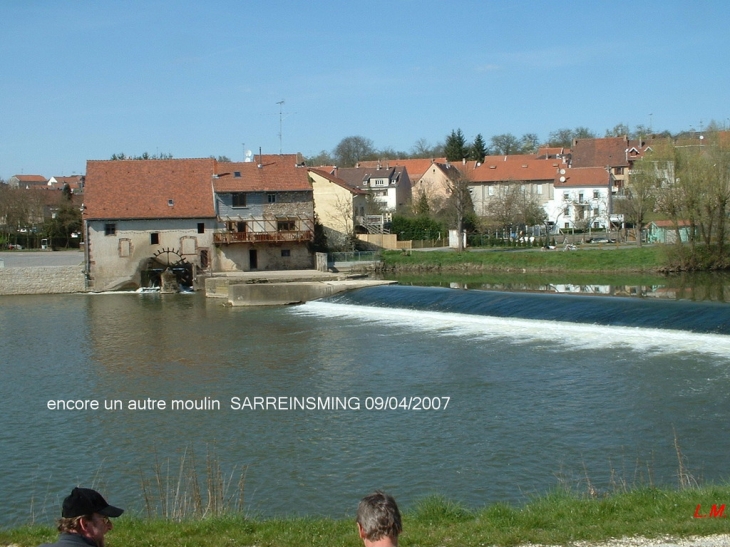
[{"x": 84, "y": 519}]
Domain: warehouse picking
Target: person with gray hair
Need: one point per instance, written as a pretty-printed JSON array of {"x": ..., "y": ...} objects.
[
  {"x": 84, "y": 519},
  {"x": 378, "y": 520}
]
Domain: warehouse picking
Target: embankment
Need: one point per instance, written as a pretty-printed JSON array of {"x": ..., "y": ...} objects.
[{"x": 42, "y": 280}]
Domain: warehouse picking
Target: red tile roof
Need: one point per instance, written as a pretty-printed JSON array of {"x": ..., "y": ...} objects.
[
  {"x": 276, "y": 174},
  {"x": 142, "y": 189},
  {"x": 582, "y": 176},
  {"x": 517, "y": 168},
  {"x": 668, "y": 223},
  {"x": 608, "y": 151},
  {"x": 32, "y": 179}
]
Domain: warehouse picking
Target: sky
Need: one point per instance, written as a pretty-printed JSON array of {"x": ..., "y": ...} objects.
[{"x": 82, "y": 80}]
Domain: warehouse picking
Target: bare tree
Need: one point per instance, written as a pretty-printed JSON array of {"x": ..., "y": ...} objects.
[
  {"x": 460, "y": 202},
  {"x": 641, "y": 194},
  {"x": 351, "y": 150}
]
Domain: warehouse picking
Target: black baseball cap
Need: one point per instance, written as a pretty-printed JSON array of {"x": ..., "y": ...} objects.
[{"x": 85, "y": 501}]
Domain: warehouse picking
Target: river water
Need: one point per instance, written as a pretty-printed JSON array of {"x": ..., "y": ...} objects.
[{"x": 479, "y": 396}]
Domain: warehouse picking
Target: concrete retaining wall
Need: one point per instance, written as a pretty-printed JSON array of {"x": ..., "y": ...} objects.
[{"x": 42, "y": 280}]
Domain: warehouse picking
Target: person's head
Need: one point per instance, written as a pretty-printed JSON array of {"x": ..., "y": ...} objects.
[
  {"x": 378, "y": 518},
  {"x": 86, "y": 513}
]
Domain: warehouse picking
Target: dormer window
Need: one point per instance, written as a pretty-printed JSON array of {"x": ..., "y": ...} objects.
[
  {"x": 171, "y": 202},
  {"x": 237, "y": 174}
]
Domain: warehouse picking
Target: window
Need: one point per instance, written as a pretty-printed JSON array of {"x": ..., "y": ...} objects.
[
  {"x": 241, "y": 227},
  {"x": 171, "y": 202},
  {"x": 154, "y": 238},
  {"x": 567, "y": 225},
  {"x": 110, "y": 229},
  {"x": 566, "y": 196},
  {"x": 539, "y": 189},
  {"x": 237, "y": 174},
  {"x": 238, "y": 199},
  {"x": 125, "y": 247},
  {"x": 201, "y": 227},
  {"x": 285, "y": 252},
  {"x": 271, "y": 198},
  {"x": 580, "y": 197},
  {"x": 285, "y": 226},
  {"x": 490, "y": 190},
  {"x": 204, "y": 259}
]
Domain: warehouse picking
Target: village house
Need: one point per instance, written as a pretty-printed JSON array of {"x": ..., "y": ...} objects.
[
  {"x": 28, "y": 181},
  {"x": 582, "y": 199},
  {"x": 143, "y": 216},
  {"x": 337, "y": 206},
  {"x": 498, "y": 176},
  {"x": 667, "y": 231},
  {"x": 617, "y": 154},
  {"x": 416, "y": 167},
  {"x": 193, "y": 215},
  {"x": 389, "y": 188},
  {"x": 435, "y": 184},
  {"x": 266, "y": 211},
  {"x": 75, "y": 183}
]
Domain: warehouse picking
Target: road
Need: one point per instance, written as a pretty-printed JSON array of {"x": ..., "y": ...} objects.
[{"x": 24, "y": 259}]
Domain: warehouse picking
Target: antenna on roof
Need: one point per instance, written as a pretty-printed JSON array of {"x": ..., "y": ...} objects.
[{"x": 281, "y": 120}]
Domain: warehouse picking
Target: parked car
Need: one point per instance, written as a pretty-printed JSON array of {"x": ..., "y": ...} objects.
[{"x": 14, "y": 246}]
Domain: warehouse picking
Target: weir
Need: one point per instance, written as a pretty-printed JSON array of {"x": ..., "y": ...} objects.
[{"x": 700, "y": 317}]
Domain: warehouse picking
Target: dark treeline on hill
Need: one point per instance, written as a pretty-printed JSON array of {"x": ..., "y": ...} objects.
[{"x": 455, "y": 147}]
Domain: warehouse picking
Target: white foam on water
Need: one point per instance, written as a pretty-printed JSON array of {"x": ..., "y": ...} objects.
[{"x": 562, "y": 334}]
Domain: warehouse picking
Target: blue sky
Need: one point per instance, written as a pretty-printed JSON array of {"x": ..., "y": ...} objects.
[{"x": 86, "y": 79}]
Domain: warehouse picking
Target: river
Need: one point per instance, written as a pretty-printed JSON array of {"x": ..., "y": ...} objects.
[{"x": 479, "y": 396}]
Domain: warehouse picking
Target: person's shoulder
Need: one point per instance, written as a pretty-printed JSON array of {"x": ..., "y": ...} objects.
[{"x": 67, "y": 540}]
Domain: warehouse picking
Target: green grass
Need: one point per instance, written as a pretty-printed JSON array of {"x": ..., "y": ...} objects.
[
  {"x": 559, "y": 518},
  {"x": 644, "y": 259}
]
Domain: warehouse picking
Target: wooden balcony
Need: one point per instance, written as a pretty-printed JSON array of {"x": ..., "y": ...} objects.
[{"x": 228, "y": 238}]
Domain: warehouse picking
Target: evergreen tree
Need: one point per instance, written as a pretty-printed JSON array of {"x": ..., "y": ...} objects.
[
  {"x": 478, "y": 148},
  {"x": 456, "y": 148}
]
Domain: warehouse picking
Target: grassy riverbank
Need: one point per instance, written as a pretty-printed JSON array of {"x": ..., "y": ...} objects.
[
  {"x": 634, "y": 259},
  {"x": 557, "y": 518}
]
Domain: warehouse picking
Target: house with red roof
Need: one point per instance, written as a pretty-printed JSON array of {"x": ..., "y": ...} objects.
[
  {"x": 266, "y": 211},
  {"x": 191, "y": 215},
  {"x": 28, "y": 181},
  {"x": 435, "y": 183},
  {"x": 582, "y": 199},
  {"x": 497, "y": 176},
  {"x": 616, "y": 154},
  {"x": 143, "y": 216},
  {"x": 668, "y": 231},
  {"x": 75, "y": 183}
]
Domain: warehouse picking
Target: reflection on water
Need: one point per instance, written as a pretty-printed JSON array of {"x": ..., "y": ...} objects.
[{"x": 697, "y": 286}]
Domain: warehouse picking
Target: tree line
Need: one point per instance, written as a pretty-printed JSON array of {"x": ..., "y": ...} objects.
[
  {"x": 688, "y": 183},
  {"x": 455, "y": 146},
  {"x": 23, "y": 220}
]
